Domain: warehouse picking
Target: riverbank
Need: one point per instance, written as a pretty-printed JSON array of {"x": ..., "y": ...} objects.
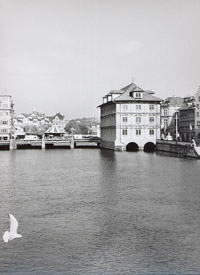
[{"x": 181, "y": 149}]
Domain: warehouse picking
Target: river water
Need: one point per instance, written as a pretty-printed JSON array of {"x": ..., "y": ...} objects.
[{"x": 91, "y": 211}]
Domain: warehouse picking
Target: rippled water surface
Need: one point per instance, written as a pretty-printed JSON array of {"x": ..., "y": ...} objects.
[{"x": 90, "y": 211}]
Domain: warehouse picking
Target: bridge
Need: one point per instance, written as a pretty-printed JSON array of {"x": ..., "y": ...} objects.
[{"x": 67, "y": 142}]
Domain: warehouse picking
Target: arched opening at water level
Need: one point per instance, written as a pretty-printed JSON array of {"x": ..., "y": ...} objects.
[
  {"x": 149, "y": 147},
  {"x": 132, "y": 147}
]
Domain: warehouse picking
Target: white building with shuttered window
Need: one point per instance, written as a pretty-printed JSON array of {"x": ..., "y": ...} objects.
[{"x": 130, "y": 119}]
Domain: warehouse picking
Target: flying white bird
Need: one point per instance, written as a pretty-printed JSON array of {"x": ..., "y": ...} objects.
[{"x": 8, "y": 236}]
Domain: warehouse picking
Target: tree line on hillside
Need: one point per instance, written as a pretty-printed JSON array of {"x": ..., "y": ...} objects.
[{"x": 81, "y": 126}]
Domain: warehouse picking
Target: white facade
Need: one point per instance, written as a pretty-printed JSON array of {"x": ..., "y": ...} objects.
[
  {"x": 6, "y": 117},
  {"x": 130, "y": 119},
  {"x": 139, "y": 123}
]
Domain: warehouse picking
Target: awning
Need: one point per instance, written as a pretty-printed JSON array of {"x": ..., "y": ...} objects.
[{"x": 54, "y": 130}]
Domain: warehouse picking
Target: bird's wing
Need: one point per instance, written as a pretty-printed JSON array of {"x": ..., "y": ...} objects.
[
  {"x": 6, "y": 236},
  {"x": 13, "y": 224}
]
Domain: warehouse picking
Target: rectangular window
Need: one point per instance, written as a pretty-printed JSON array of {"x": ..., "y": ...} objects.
[
  {"x": 3, "y": 130},
  {"x": 165, "y": 121},
  {"x": 138, "y": 95},
  {"x": 151, "y": 132},
  {"x": 124, "y": 107},
  {"x": 138, "y": 107},
  {"x": 151, "y": 107},
  {"x": 138, "y": 132},
  {"x": 138, "y": 119},
  {"x": 124, "y": 119},
  {"x": 5, "y": 106},
  {"x": 151, "y": 119},
  {"x": 165, "y": 112},
  {"x": 5, "y": 122},
  {"x": 198, "y": 106},
  {"x": 124, "y": 132},
  {"x": 197, "y": 114}
]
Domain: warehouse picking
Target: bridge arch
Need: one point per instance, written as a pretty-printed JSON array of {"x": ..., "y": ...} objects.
[
  {"x": 149, "y": 147},
  {"x": 132, "y": 147}
]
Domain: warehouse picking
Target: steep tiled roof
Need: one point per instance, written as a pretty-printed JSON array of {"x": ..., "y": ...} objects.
[
  {"x": 147, "y": 95},
  {"x": 174, "y": 101},
  {"x": 129, "y": 87},
  {"x": 59, "y": 115},
  {"x": 125, "y": 95},
  {"x": 114, "y": 92},
  {"x": 53, "y": 117}
]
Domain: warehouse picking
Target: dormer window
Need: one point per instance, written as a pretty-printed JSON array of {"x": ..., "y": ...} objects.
[
  {"x": 105, "y": 99},
  {"x": 109, "y": 97},
  {"x": 138, "y": 95}
]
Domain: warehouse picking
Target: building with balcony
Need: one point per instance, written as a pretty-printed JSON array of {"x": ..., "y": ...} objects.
[
  {"x": 130, "y": 119},
  {"x": 6, "y": 117}
]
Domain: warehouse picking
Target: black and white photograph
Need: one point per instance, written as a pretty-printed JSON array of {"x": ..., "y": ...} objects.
[{"x": 99, "y": 137}]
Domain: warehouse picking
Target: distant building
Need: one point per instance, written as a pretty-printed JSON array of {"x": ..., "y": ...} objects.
[
  {"x": 170, "y": 116},
  {"x": 130, "y": 119},
  {"x": 187, "y": 119},
  {"x": 197, "y": 116},
  {"x": 30, "y": 123},
  {"x": 6, "y": 117},
  {"x": 95, "y": 130},
  {"x": 58, "y": 120}
]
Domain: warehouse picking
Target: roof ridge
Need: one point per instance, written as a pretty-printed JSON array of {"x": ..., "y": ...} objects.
[{"x": 128, "y": 86}]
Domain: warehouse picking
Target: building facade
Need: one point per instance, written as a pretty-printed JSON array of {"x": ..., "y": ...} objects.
[
  {"x": 130, "y": 119},
  {"x": 30, "y": 123},
  {"x": 6, "y": 117},
  {"x": 170, "y": 117},
  {"x": 58, "y": 120},
  {"x": 187, "y": 119},
  {"x": 197, "y": 116}
]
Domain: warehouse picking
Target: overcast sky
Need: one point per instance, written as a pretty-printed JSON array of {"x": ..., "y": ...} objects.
[{"x": 65, "y": 55}]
